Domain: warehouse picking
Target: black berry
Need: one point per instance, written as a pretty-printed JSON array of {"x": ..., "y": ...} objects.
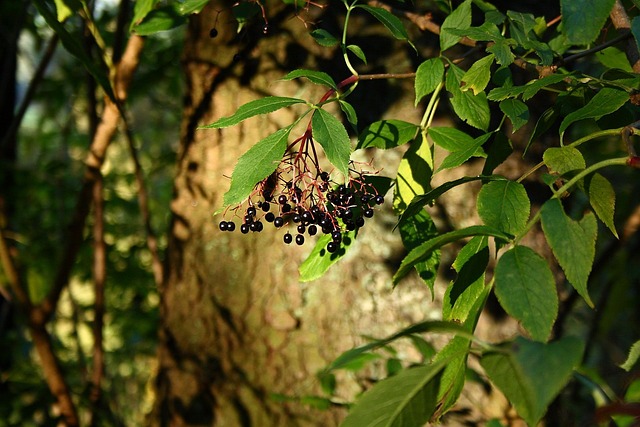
[
  {"x": 223, "y": 226},
  {"x": 269, "y": 217},
  {"x": 336, "y": 236},
  {"x": 282, "y": 199},
  {"x": 251, "y": 211},
  {"x": 213, "y": 33},
  {"x": 244, "y": 228},
  {"x": 301, "y": 229},
  {"x": 288, "y": 238},
  {"x": 278, "y": 222},
  {"x": 368, "y": 213},
  {"x": 312, "y": 230},
  {"x": 231, "y": 226},
  {"x": 379, "y": 199},
  {"x": 332, "y": 247},
  {"x": 299, "y": 239}
]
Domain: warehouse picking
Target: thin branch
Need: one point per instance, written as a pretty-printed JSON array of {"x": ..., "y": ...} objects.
[
  {"x": 95, "y": 159},
  {"x": 11, "y": 269},
  {"x": 31, "y": 90},
  {"x": 143, "y": 201},
  {"x": 99, "y": 279}
]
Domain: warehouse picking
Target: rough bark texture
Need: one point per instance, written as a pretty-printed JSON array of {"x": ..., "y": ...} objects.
[{"x": 236, "y": 323}]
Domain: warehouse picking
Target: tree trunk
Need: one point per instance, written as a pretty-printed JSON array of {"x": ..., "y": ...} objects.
[{"x": 237, "y": 326}]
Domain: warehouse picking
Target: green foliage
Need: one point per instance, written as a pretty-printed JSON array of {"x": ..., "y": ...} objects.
[{"x": 581, "y": 101}]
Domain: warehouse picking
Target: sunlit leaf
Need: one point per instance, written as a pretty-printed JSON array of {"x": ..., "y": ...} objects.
[
  {"x": 357, "y": 51},
  {"x": 264, "y": 105},
  {"x": 632, "y": 359},
  {"x": 428, "y": 76},
  {"x": 561, "y": 160},
  {"x": 460, "y": 18},
  {"x": 255, "y": 165},
  {"x": 478, "y": 75},
  {"x": 317, "y": 77},
  {"x": 319, "y": 260},
  {"x": 333, "y": 137},
  {"x": 473, "y": 109}
]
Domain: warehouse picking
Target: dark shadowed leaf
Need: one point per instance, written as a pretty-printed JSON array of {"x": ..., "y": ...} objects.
[
  {"x": 531, "y": 374},
  {"x": 317, "y": 77},
  {"x": 526, "y": 290},
  {"x": 582, "y": 20},
  {"x": 573, "y": 243},
  {"x": 387, "y": 134},
  {"x": 602, "y": 197}
]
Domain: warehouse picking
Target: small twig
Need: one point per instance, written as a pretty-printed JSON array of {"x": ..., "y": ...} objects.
[
  {"x": 595, "y": 49},
  {"x": 143, "y": 201},
  {"x": 99, "y": 279},
  {"x": 31, "y": 90}
]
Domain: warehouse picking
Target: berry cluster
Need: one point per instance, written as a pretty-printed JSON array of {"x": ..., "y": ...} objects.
[{"x": 307, "y": 204}]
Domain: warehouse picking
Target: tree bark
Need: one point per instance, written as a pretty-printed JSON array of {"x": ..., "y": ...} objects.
[{"x": 237, "y": 326}]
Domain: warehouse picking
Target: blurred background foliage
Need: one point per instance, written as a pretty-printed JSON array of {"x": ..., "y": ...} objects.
[{"x": 53, "y": 142}]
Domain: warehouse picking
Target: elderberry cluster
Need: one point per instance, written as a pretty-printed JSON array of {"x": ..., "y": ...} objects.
[{"x": 305, "y": 205}]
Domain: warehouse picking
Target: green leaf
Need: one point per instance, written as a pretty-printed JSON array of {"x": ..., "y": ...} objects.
[
  {"x": 603, "y": 200},
  {"x": 428, "y": 76},
  {"x": 498, "y": 150},
  {"x": 324, "y": 38},
  {"x": 415, "y": 230},
  {"x": 462, "y": 294},
  {"x": 317, "y": 77},
  {"x": 561, "y": 160},
  {"x": 534, "y": 86},
  {"x": 582, "y": 20},
  {"x": 414, "y": 173},
  {"x": 350, "y": 113},
  {"x": 188, "y": 7},
  {"x": 389, "y": 20},
  {"x": 502, "y": 51},
  {"x": 141, "y": 9},
  {"x": 473, "y": 109},
  {"x": 161, "y": 19},
  {"x": 386, "y": 134},
  {"x": 333, "y": 137},
  {"x": 255, "y": 165},
  {"x": 635, "y": 30},
  {"x": 632, "y": 359},
  {"x": 531, "y": 374},
  {"x": 66, "y": 8},
  {"x": 428, "y": 326},
  {"x": 458, "y": 19},
  {"x": 423, "y": 252},
  {"x": 265, "y": 105},
  {"x": 478, "y": 75},
  {"x": 421, "y": 200},
  {"x": 319, "y": 260},
  {"x": 526, "y": 290},
  {"x": 458, "y": 157},
  {"x": 406, "y": 399},
  {"x": 517, "y": 111},
  {"x": 484, "y": 33},
  {"x": 451, "y": 139},
  {"x": 573, "y": 243},
  {"x": 504, "y": 205},
  {"x": 357, "y": 51},
  {"x": 606, "y": 101},
  {"x": 72, "y": 44}
]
